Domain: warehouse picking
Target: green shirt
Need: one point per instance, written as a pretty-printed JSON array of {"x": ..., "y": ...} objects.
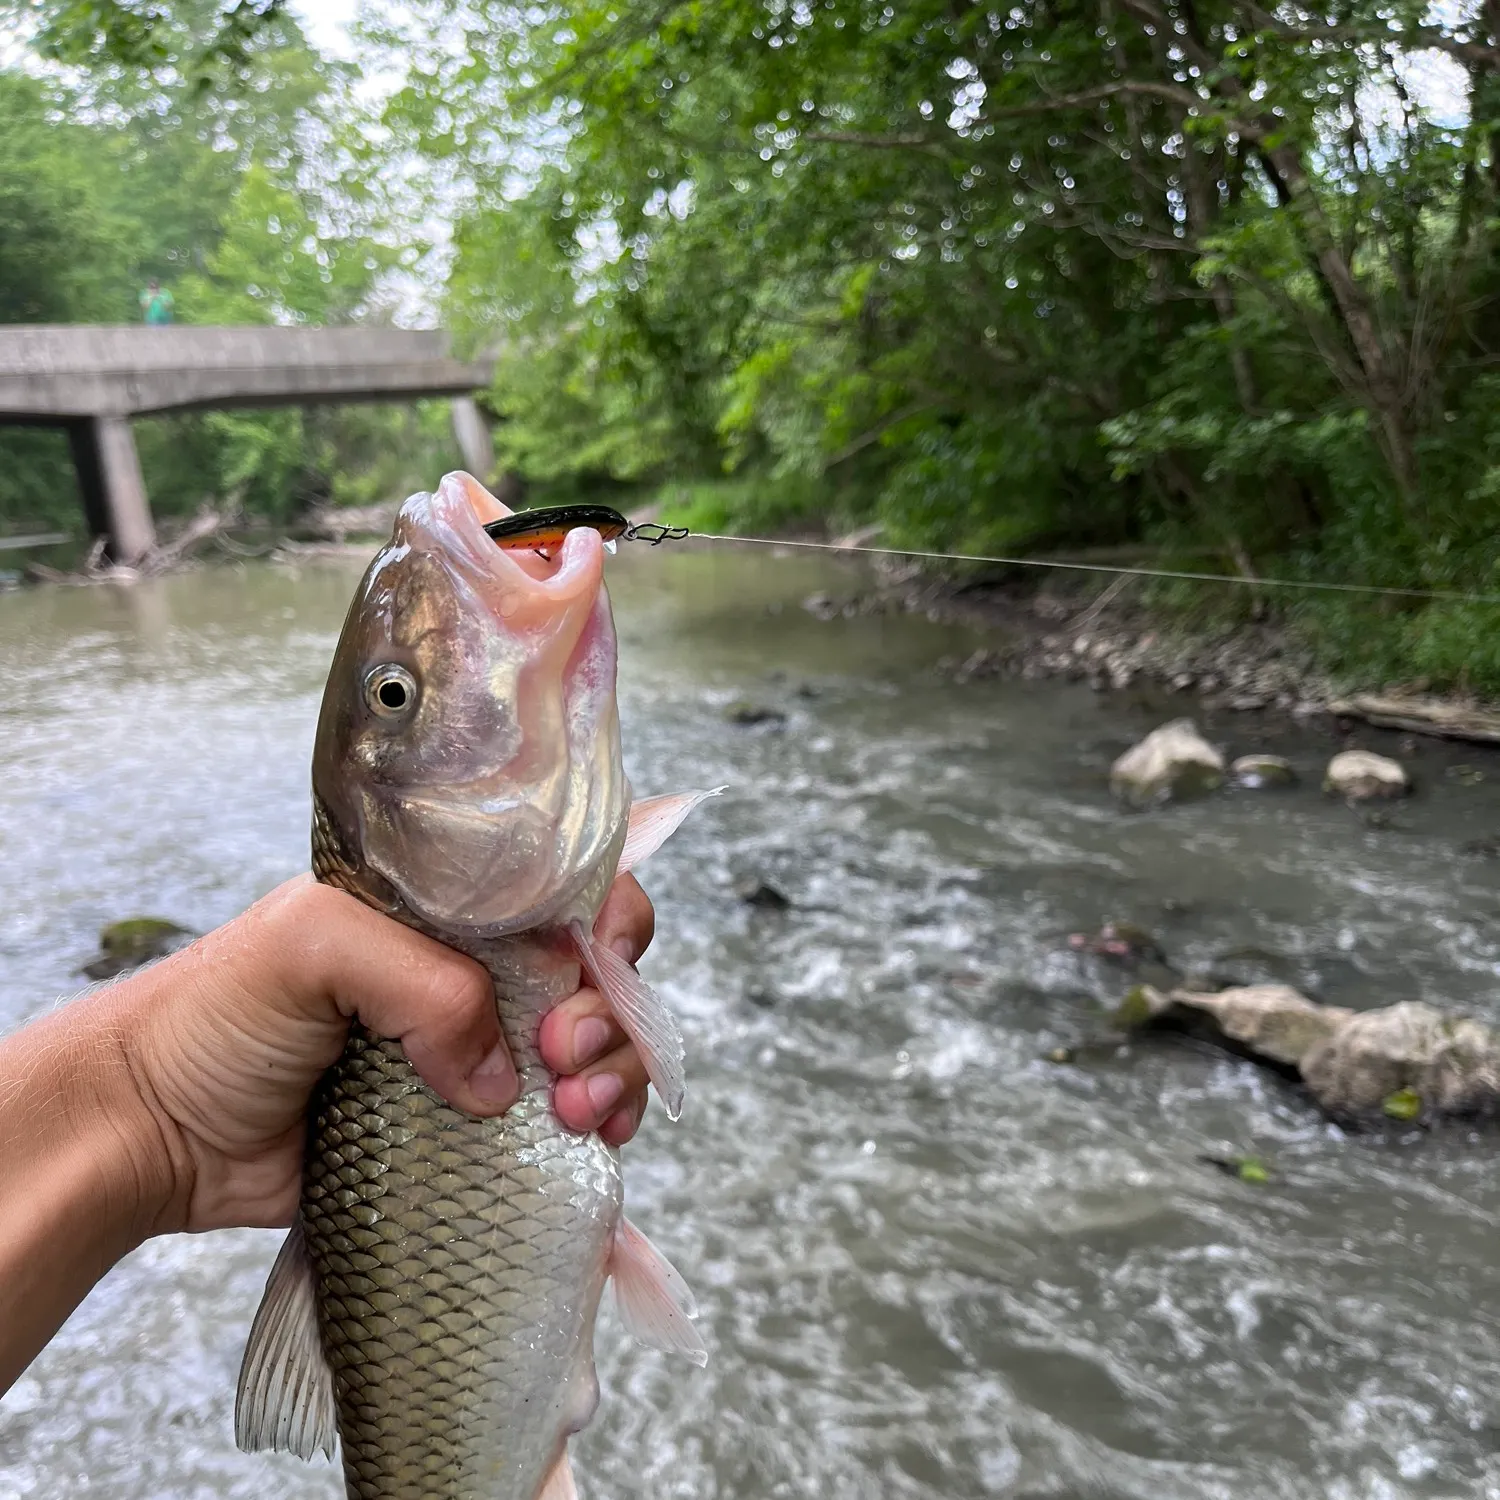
[{"x": 157, "y": 305}]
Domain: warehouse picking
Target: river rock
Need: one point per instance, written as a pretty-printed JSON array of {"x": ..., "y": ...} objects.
[
  {"x": 1405, "y": 1061},
  {"x": 133, "y": 942},
  {"x": 1262, "y": 772},
  {"x": 749, "y": 714},
  {"x": 761, "y": 894},
  {"x": 1271, "y": 1022},
  {"x": 1170, "y": 764},
  {"x": 1125, "y": 941},
  {"x": 1360, "y": 776}
]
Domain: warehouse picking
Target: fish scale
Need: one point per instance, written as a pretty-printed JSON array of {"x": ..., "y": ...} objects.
[{"x": 458, "y": 1264}]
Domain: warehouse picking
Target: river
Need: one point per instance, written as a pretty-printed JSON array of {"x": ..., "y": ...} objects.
[{"x": 931, "y": 1262}]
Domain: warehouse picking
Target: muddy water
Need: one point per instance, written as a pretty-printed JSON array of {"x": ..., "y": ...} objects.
[{"x": 932, "y": 1263}]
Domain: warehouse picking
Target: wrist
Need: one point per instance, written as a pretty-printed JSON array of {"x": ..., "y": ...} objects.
[
  {"x": 95, "y": 1116},
  {"x": 86, "y": 1172}
]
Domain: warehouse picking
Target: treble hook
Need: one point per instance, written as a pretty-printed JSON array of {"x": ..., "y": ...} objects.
[{"x": 654, "y": 533}]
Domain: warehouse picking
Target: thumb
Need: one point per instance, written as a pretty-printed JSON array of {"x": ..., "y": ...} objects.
[{"x": 440, "y": 1005}]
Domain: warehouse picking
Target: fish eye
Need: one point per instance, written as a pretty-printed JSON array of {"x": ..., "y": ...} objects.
[{"x": 391, "y": 691}]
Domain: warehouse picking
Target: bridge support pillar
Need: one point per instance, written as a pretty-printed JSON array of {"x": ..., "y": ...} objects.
[
  {"x": 473, "y": 435},
  {"x": 114, "y": 493}
]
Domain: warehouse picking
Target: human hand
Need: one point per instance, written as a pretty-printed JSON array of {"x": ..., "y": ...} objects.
[{"x": 227, "y": 1039}]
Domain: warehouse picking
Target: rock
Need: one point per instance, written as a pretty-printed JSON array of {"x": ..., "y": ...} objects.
[
  {"x": 761, "y": 895},
  {"x": 1481, "y": 848},
  {"x": 1260, "y": 772},
  {"x": 1121, "y": 940},
  {"x": 1244, "y": 1168},
  {"x": 135, "y": 941},
  {"x": 1464, "y": 775},
  {"x": 1406, "y": 1061},
  {"x": 821, "y": 606},
  {"x": 1270, "y": 1022},
  {"x": 1172, "y": 763},
  {"x": 1361, "y": 776},
  {"x": 748, "y": 714}
]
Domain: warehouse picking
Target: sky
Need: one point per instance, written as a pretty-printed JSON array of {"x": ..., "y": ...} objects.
[{"x": 325, "y": 22}]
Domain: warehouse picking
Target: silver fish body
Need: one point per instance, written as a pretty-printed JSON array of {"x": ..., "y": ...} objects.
[
  {"x": 432, "y": 1311},
  {"x": 459, "y": 1265}
]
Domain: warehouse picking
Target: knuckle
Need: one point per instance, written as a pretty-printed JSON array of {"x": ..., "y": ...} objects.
[{"x": 458, "y": 991}]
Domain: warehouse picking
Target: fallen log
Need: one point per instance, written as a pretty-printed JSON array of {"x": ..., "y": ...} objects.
[{"x": 1434, "y": 716}]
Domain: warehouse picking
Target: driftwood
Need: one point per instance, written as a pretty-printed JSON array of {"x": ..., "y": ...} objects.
[
  {"x": 95, "y": 569},
  {"x": 1421, "y": 716},
  {"x": 337, "y": 523},
  {"x": 288, "y": 551}
]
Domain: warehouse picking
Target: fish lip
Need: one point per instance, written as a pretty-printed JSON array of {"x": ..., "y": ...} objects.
[{"x": 451, "y": 520}]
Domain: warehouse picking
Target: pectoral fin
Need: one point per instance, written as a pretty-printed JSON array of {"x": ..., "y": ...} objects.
[
  {"x": 558, "y": 1485},
  {"x": 654, "y": 820},
  {"x": 642, "y": 1016},
  {"x": 655, "y": 1304},
  {"x": 285, "y": 1399}
]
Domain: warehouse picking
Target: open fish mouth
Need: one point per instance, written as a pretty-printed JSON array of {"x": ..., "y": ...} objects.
[{"x": 521, "y": 587}]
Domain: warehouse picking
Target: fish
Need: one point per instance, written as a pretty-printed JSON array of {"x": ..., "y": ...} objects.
[{"x": 431, "y": 1313}]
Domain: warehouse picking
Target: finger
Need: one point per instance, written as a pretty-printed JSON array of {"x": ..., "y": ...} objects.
[
  {"x": 586, "y": 1100},
  {"x": 439, "y": 1004},
  {"x": 627, "y": 920},
  {"x": 621, "y": 1126},
  {"x": 577, "y": 1032}
]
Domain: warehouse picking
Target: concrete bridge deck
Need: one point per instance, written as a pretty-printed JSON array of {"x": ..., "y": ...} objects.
[{"x": 91, "y": 380}]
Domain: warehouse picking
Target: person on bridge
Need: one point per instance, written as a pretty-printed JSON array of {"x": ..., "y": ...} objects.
[
  {"x": 177, "y": 1099},
  {"x": 156, "y": 302}
]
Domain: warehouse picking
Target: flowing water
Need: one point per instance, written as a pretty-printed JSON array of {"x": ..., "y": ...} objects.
[{"x": 932, "y": 1263}]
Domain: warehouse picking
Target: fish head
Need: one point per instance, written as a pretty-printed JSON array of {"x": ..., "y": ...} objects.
[{"x": 468, "y": 748}]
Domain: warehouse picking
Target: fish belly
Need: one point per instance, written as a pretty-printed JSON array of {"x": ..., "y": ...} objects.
[{"x": 459, "y": 1267}]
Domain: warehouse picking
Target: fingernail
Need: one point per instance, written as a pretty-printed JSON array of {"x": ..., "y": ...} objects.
[
  {"x": 494, "y": 1079},
  {"x": 625, "y": 948},
  {"x": 605, "y": 1090},
  {"x": 591, "y": 1038}
]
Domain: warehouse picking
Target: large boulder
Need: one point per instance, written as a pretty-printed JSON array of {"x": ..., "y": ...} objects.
[
  {"x": 1170, "y": 764},
  {"x": 1270, "y": 1022},
  {"x": 1360, "y": 776},
  {"x": 1406, "y": 1060}
]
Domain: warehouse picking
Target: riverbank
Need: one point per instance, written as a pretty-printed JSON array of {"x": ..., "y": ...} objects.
[{"x": 1108, "y": 638}]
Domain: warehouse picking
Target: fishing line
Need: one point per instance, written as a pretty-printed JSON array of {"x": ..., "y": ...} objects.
[
  {"x": 1452, "y": 596},
  {"x": 544, "y": 529}
]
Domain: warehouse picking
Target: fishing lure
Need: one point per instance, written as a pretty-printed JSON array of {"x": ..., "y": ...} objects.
[{"x": 543, "y": 529}]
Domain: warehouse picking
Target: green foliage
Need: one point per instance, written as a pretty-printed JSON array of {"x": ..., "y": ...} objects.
[
  {"x": 203, "y": 41},
  {"x": 250, "y": 200},
  {"x": 746, "y": 505},
  {"x": 1204, "y": 277},
  {"x": 1207, "y": 279}
]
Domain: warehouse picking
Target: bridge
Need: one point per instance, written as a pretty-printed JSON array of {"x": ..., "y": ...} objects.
[{"x": 92, "y": 380}]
